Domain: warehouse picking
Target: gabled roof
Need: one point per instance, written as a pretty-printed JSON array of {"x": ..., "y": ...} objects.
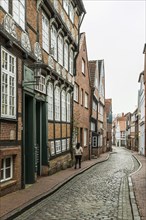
[{"x": 92, "y": 70}]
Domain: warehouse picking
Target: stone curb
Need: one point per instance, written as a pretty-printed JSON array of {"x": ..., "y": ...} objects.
[
  {"x": 135, "y": 211},
  {"x": 18, "y": 211}
]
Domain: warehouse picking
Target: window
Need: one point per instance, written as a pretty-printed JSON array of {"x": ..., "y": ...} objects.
[
  {"x": 71, "y": 62},
  {"x": 52, "y": 148},
  {"x": 5, "y": 4},
  {"x": 60, "y": 50},
  {"x": 94, "y": 141},
  {"x": 66, "y": 5},
  {"x": 19, "y": 12},
  {"x": 58, "y": 146},
  {"x": 6, "y": 169},
  {"x": 92, "y": 126},
  {"x": 71, "y": 12},
  {"x": 66, "y": 56},
  {"x": 63, "y": 144},
  {"x": 81, "y": 96},
  {"x": 63, "y": 106},
  {"x": 86, "y": 100},
  {"x": 54, "y": 42},
  {"x": 68, "y": 107},
  {"x": 85, "y": 136},
  {"x": 42, "y": 85},
  {"x": 45, "y": 33},
  {"x": 50, "y": 101},
  {"x": 94, "y": 106},
  {"x": 83, "y": 66},
  {"x": 8, "y": 85},
  {"x": 76, "y": 92},
  {"x": 68, "y": 143},
  {"x": 57, "y": 103}
]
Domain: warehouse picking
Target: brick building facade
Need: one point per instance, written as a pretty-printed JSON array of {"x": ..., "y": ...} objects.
[
  {"x": 82, "y": 91},
  {"x": 39, "y": 44}
]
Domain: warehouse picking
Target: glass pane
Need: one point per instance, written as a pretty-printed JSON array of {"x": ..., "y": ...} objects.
[
  {"x": 8, "y": 162},
  {"x": 2, "y": 175},
  {"x": 8, "y": 173}
]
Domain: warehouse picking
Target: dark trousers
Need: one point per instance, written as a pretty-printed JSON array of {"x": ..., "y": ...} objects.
[{"x": 78, "y": 160}]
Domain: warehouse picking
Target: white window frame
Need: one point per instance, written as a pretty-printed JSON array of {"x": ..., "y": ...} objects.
[
  {"x": 8, "y": 84},
  {"x": 85, "y": 136},
  {"x": 71, "y": 62},
  {"x": 45, "y": 33},
  {"x": 68, "y": 143},
  {"x": 50, "y": 101},
  {"x": 54, "y": 42},
  {"x": 4, "y": 168},
  {"x": 58, "y": 146},
  {"x": 76, "y": 92},
  {"x": 86, "y": 100},
  {"x": 60, "y": 49},
  {"x": 66, "y": 5},
  {"x": 52, "y": 148},
  {"x": 71, "y": 12},
  {"x": 83, "y": 66},
  {"x": 63, "y": 103},
  {"x": 66, "y": 50},
  {"x": 41, "y": 87},
  {"x": 5, "y": 5},
  {"x": 19, "y": 12},
  {"x": 68, "y": 107},
  {"x": 57, "y": 103},
  {"x": 63, "y": 145}
]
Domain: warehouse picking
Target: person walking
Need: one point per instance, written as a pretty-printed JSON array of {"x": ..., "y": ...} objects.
[{"x": 78, "y": 155}]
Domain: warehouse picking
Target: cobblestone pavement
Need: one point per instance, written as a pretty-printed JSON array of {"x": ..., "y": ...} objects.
[{"x": 99, "y": 193}]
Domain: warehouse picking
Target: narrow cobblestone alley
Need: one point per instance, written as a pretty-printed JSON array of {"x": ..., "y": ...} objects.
[{"x": 99, "y": 193}]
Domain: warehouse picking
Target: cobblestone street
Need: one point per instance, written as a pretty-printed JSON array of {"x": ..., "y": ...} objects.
[{"x": 99, "y": 193}]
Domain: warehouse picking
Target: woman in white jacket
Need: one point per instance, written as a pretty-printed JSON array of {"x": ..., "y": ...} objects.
[{"x": 78, "y": 155}]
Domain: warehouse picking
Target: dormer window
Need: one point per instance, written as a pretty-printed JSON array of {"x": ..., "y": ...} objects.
[{"x": 19, "y": 12}]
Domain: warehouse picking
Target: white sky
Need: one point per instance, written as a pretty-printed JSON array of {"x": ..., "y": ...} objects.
[{"x": 116, "y": 32}]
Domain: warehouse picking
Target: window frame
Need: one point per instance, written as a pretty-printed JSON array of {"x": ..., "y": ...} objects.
[
  {"x": 71, "y": 62},
  {"x": 54, "y": 41},
  {"x": 68, "y": 107},
  {"x": 57, "y": 103},
  {"x": 17, "y": 17},
  {"x": 76, "y": 92},
  {"x": 60, "y": 49},
  {"x": 10, "y": 77},
  {"x": 83, "y": 66},
  {"x": 85, "y": 136},
  {"x": 5, "y": 5},
  {"x": 4, "y": 168},
  {"x": 66, "y": 55},
  {"x": 63, "y": 105},
  {"x": 50, "y": 94},
  {"x": 86, "y": 99},
  {"x": 45, "y": 33}
]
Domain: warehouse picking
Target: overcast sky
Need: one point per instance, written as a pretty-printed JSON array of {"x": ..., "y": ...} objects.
[{"x": 116, "y": 32}]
